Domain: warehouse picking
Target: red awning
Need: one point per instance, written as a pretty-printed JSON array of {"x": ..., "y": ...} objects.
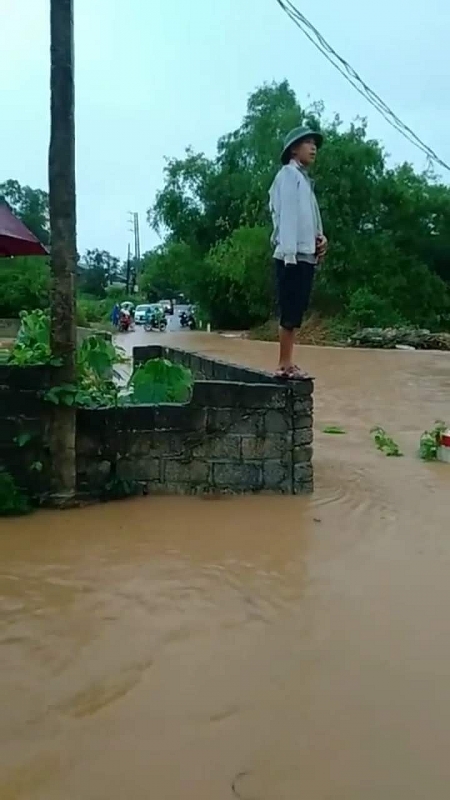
[{"x": 15, "y": 238}]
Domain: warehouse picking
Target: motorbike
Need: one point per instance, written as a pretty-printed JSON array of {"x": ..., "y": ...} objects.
[
  {"x": 184, "y": 319},
  {"x": 124, "y": 323},
  {"x": 187, "y": 320},
  {"x": 155, "y": 322}
]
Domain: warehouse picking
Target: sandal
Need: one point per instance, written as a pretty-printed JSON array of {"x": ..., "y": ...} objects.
[
  {"x": 282, "y": 373},
  {"x": 293, "y": 373},
  {"x": 297, "y": 374}
]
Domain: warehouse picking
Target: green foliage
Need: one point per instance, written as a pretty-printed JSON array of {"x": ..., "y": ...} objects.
[
  {"x": 97, "y": 271},
  {"x": 119, "y": 294},
  {"x": 334, "y": 430},
  {"x": 160, "y": 381},
  {"x": 97, "y": 356},
  {"x": 12, "y": 501},
  {"x": 385, "y": 443},
  {"x": 95, "y": 386},
  {"x": 90, "y": 310},
  {"x": 23, "y": 438},
  {"x": 366, "y": 309},
  {"x": 32, "y": 345},
  {"x": 429, "y": 441},
  {"x": 388, "y": 228},
  {"x": 168, "y": 270},
  {"x": 24, "y": 284},
  {"x": 239, "y": 279}
]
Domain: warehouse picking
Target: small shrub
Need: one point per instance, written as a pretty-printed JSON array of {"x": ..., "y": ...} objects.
[
  {"x": 32, "y": 345},
  {"x": 366, "y": 310}
]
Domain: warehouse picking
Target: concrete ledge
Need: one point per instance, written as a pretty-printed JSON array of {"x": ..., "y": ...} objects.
[{"x": 242, "y": 431}]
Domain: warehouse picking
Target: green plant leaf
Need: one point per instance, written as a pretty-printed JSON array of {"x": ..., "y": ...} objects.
[
  {"x": 333, "y": 429},
  {"x": 23, "y": 438},
  {"x": 160, "y": 381}
]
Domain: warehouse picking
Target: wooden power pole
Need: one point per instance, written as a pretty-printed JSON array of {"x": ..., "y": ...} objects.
[{"x": 63, "y": 242}]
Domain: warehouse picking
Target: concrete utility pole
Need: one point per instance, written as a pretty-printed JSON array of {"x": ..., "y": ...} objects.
[
  {"x": 134, "y": 219},
  {"x": 128, "y": 269},
  {"x": 61, "y": 172}
]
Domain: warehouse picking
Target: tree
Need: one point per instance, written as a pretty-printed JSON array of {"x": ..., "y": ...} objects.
[
  {"x": 30, "y": 205},
  {"x": 388, "y": 228},
  {"x": 63, "y": 238},
  {"x": 167, "y": 271},
  {"x": 98, "y": 270},
  {"x": 238, "y": 270}
]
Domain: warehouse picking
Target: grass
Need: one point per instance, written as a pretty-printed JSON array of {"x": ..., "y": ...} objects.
[{"x": 315, "y": 331}]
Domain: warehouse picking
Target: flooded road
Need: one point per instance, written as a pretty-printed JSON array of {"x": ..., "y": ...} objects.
[{"x": 265, "y": 648}]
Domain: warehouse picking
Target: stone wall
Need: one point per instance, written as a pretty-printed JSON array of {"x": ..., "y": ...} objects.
[
  {"x": 242, "y": 431},
  {"x": 24, "y": 418}
]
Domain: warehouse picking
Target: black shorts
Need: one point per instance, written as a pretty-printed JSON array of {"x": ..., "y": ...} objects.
[{"x": 294, "y": 285}]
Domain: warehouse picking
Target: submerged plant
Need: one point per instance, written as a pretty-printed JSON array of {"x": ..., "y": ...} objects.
[
  {"x": 429, "y": 441},
  {"x": 384, "y": 442}
]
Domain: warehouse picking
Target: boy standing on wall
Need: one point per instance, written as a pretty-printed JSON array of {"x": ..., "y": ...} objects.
[{"x": 298, "y": 239}]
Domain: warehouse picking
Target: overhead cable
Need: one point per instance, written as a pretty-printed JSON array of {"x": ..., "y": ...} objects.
[{"x": 355, "y": 80}]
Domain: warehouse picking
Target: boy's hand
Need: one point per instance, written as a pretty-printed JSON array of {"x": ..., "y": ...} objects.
[{"x": 322, "y": 247}]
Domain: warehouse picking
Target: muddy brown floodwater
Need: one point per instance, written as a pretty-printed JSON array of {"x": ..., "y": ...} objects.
[{"x": 265, "y": 648}]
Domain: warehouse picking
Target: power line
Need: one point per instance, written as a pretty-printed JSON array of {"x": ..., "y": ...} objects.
[{"x": 355, "y": 80}]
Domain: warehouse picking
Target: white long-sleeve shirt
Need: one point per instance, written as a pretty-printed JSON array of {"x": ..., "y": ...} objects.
[{"x": 295, "y": 214}]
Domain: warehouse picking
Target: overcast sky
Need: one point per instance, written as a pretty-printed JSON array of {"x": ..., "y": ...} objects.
[{"x": 154, "y": 76}]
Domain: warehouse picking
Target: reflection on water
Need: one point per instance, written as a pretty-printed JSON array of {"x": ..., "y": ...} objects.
[{"x": 264, "y": 648}]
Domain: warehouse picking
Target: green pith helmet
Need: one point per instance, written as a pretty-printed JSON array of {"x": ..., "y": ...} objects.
[{"x": 294, "y": 136}]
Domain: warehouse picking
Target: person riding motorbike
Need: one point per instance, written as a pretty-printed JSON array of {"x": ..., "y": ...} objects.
[{"x": 124, "y": 320}]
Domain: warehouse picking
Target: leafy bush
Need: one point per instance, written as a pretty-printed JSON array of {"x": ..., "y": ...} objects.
[
  {"x": 91, "y": 310},
  {"x": 32, "y": 345},
  {"x": 95, "y": 386},
  {"x": 24, "y": 284},
  {"x": 367, "y": 309}
]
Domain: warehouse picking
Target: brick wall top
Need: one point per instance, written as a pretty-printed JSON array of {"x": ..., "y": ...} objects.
[{"x": 211, "y": 368}]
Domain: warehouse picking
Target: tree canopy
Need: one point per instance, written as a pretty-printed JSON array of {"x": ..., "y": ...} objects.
[{"x": 389, "y": 227}]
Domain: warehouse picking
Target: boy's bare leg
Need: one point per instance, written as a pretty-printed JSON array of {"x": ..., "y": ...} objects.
[{"x": 287, "y": 339}]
